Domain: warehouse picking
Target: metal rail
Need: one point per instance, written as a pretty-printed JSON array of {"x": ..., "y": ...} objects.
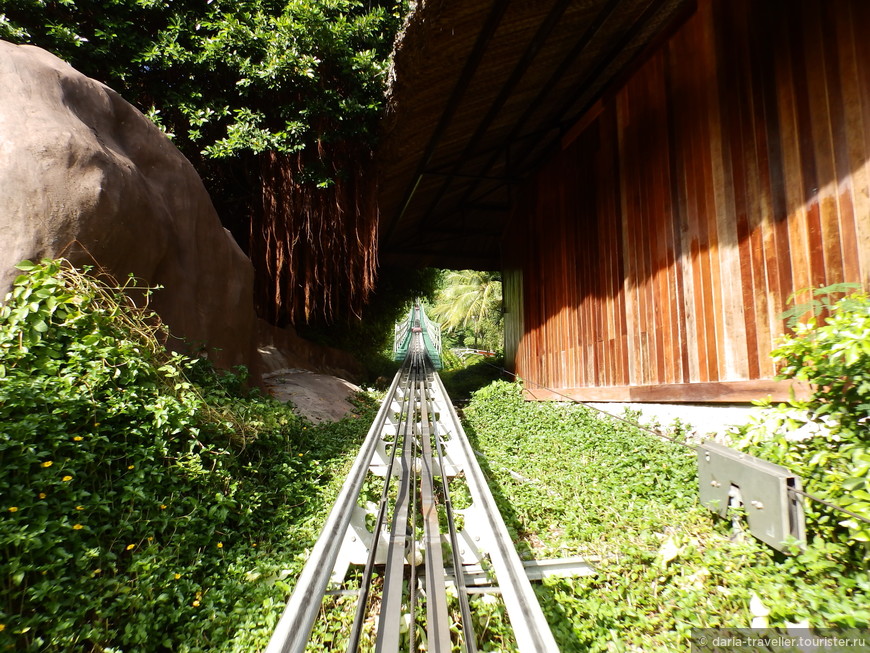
[{"x": 417, "y": 440}]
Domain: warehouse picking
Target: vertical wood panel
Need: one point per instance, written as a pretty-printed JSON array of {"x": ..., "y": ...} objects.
[
  {"x": 658, "y": 249},
  {"x": 859, "y": 15}
]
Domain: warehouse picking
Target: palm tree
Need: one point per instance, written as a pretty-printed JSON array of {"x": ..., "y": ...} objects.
[{"x": 470, "y": 300}]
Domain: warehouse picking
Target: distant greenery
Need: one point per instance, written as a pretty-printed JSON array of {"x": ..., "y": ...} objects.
[
  {"x": 825, "y": 439},
  {"x": 370, "y": 338},
  {"x": 627, "y": 501},
  {"x": 468, "y": 303},
  {"x": 148, "y": 502}
]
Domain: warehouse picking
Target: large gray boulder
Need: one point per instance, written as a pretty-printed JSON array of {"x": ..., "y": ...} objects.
[{"x": 85, "y": 175}]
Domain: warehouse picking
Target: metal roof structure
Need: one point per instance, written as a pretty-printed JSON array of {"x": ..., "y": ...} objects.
[{"x": 480, "y": 92}]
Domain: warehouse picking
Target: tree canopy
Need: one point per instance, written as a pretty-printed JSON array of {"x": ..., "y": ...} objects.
[
  {"x": 227, "y": 76},
  {"x": 469, "y": 305},
  {"x": 275, "y": 103}
]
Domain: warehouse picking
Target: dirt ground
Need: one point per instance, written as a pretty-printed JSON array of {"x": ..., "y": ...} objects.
[{"x": 318, "y": 397}]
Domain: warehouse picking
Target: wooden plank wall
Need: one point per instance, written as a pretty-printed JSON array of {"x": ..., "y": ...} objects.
[{"x": 651, "y": 258}]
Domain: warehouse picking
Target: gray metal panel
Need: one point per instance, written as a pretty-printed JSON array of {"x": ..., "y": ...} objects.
[{"x": 772, "y": 512}]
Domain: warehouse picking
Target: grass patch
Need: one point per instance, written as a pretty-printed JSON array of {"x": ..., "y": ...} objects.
[
  {"x": 628, "y": 502},
  {"x": 461, "y": 380}
]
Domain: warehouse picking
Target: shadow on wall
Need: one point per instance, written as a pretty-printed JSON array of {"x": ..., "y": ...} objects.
[{"x": 660, "y": 247}]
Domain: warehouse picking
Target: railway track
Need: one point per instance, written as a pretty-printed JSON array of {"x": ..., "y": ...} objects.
[{"x": 416, "y": 557}]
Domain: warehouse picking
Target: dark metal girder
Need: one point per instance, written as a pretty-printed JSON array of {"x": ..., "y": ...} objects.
[
  {"x": 547, "y": 88},
  {"x": 525, "y": 61},
  {"x": 620, "y": 44},
  {"x": 496, "y": 13}
]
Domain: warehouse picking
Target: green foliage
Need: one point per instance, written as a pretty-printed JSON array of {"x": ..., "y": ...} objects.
[
  {"x": 148, "y": 502},
  {"x": 225, "y": 77},
  {"x": 462, "y": 380},
  {"x": 826, "y": 439},
  {"x": 469, "y": 306},
  {"x": 627, "y": 501},
  {"x": 821, "y": 302}
]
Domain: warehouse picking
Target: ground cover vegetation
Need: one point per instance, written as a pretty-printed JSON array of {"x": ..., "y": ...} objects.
[
  {"x": 627, "y": 501},
  {"x": 147, "y": 502},
  {"x": 463, "y": 377}
]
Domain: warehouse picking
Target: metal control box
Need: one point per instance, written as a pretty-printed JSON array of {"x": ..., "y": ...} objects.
[{"x": 728, "y": 477}]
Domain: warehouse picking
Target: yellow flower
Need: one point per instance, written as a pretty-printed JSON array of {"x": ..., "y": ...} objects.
[
  {"x": 77, "y": 527},
  {"x": 131, "y": 546},
  {"x": 177, "y": 576},
  {"x": 42, "y": 495},
  {"x": 150, "y": 539},
  {"x": 66, "y": 478},
  {"x": 48, "y": 463},
  {"x": 300, "y": 455},
  {"x": 220, "y": 545},
  {"x": 196, "y": 603},
  {"x": 2, "y": 627},
  {"x": 130, "y": 466},
  {"x": 163, "y": 506},
  {"x": 254, "y": 544},
  {"x": 13, "y": 509},
  {"x": 80, "y": 507},
  {"x": 78, "y": 438}
]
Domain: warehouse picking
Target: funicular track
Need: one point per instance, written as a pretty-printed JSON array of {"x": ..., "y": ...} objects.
[{"x": 411, "y": 559}]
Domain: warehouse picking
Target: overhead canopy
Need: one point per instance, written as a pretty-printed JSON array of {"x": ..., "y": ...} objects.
[{"x": 481, "y": 91}]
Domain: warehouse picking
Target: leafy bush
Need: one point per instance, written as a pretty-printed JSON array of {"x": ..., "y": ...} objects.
[
  {"x": 825, "y": 439},
  {"x": 147, "y": 501}
]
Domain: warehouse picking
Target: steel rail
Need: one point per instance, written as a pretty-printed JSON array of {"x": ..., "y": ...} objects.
[
  {"x": 412, "y": 584},
  {"x": 437, "y": 617},
  {"x": 294, "y": 627},
  {"x": 389, "y": 620},
  {"x": 365, "y": 581},
  {"x": 424, "y": 415},
  {"x": 531, "y": 630},
  {"x": 459, "y": 576}
]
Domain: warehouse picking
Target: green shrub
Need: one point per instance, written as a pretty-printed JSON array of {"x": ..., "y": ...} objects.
[
  {"x": 825, "y": 439},
  {"x": 147, "y": 501}
]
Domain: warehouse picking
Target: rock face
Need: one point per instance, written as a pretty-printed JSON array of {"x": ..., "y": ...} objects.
[
  {"x": 283, "y": 349},
  {"x": 316, "y": 397},
  {"x": 85, "y": 175}
]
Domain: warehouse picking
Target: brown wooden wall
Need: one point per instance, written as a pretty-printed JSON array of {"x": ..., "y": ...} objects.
[{"x": 651, "y": 258}]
